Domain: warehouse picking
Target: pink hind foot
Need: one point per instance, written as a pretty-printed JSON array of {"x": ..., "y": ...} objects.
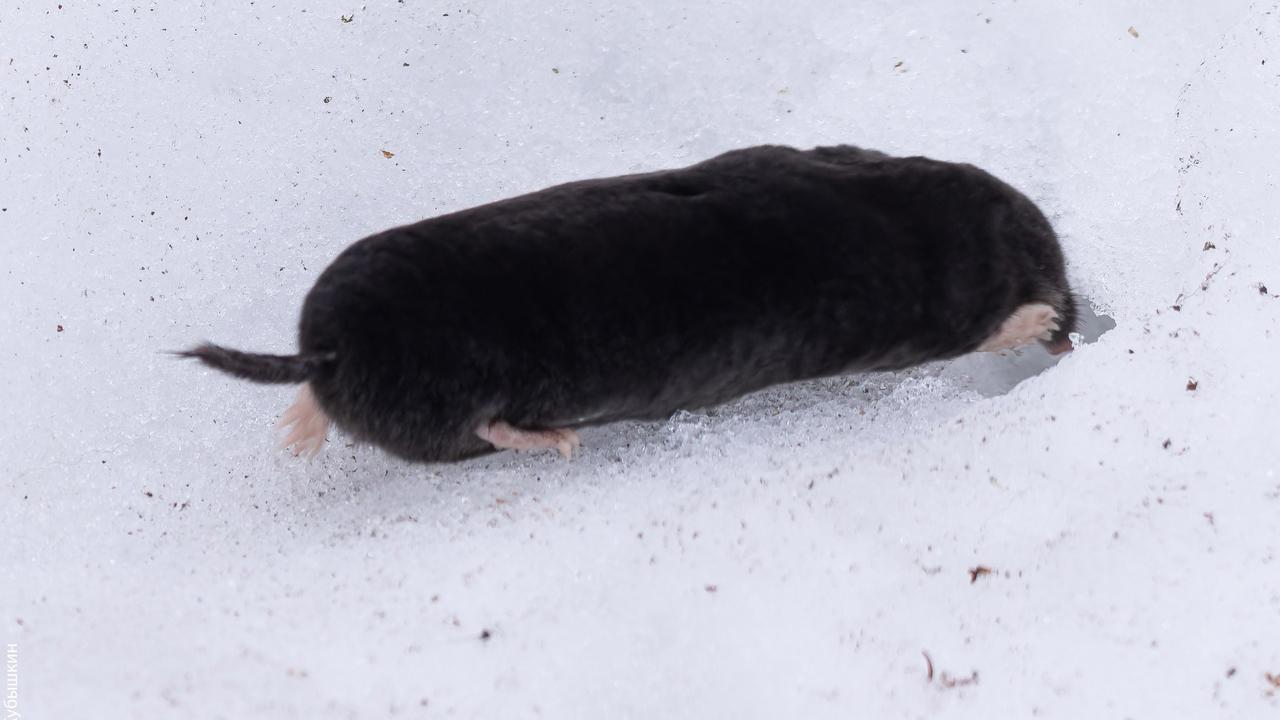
[
  {"x": 505, "y": 437},
  {"x": 310, "y": 424},
  {"x": 1028, "y": 323}
]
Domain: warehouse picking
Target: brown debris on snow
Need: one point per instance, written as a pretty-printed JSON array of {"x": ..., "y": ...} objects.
[{"x": 946, "y": 679}]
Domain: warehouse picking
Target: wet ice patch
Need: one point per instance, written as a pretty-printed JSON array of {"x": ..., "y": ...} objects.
[{"x": 991, "y": 374}]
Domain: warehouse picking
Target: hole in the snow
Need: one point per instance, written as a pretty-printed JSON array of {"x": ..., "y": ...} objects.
[{"x": 991, "y": 374}]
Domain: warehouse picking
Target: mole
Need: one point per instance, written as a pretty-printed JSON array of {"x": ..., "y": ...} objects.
[{"x": 512, "y": 324}]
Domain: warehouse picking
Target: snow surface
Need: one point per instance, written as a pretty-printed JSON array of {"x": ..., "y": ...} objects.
[{"x": 176, "y": 171}]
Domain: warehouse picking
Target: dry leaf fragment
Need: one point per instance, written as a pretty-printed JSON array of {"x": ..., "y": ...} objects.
[{"x": 388, "y": 154}]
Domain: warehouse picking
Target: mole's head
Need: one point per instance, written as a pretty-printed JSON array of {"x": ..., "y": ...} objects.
[
  {"x": 1028, "y": 262},
  {"x": 1043, "y": 270}
]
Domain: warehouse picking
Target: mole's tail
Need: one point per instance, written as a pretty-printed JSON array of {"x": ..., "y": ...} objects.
[{"x": 257, "y": 367}]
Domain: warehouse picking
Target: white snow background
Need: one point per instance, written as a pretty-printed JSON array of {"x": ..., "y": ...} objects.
[{"x": 178, "y": 171}]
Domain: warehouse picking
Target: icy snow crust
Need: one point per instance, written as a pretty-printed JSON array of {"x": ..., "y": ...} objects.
[{"x": 171, "y": 172}]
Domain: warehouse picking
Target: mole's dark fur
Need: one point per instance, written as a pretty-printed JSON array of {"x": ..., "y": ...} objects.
[{"x": 636, "y": 296}]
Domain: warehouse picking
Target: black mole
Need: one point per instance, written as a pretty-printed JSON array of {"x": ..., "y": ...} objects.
[{"x": 509, "y": 324}]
